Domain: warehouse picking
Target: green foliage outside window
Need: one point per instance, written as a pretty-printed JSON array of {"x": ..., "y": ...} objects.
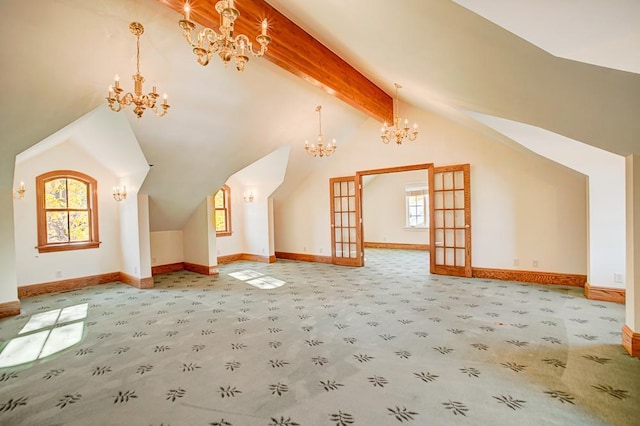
[{"x": 67, "y": 210}]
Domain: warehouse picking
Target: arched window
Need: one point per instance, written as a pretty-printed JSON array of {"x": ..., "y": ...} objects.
[
  {"x": 222, "y": 211},
  {"x": 67, "y": 211}
]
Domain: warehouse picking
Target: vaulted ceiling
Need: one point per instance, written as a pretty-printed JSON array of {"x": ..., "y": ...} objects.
[{"x": 61, "y": 55}]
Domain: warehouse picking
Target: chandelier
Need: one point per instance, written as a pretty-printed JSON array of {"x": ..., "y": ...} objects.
[
  {"x": 141, "y": 101},
  {"x": 399, "y": 131},
  {"x": 321, "y": 149},
  {"x": 223, "y": 42}
]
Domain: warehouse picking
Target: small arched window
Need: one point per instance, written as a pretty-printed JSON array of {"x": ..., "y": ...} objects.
[
  {"x": 67, "y": 211},
  {"x": 222, "y": 211}
]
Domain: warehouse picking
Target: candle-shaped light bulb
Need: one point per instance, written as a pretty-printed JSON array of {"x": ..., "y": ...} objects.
[
  {"x": 264, "y": 27},
  {"x": 116, "y": 79},
  {"x": 110, "y": 91},
  {"x": 164, "y": 99},
  {"x": 230, "y": 3},
  {"x": 21, "y": 185},
  {"x": 187, "y": 11}
]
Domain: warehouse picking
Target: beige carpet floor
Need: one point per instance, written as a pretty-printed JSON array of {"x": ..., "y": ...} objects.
[{"x": 386, "y": 344}]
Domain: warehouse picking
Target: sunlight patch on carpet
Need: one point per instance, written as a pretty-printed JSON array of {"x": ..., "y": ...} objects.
[
  {"x": 45, "y": 334},
  {"x": 257, "y": 279}
]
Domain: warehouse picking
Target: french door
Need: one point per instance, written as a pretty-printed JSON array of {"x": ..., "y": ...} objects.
[
  {"x": 346, "y": 244},
  {"x": 450, "y": 233}
]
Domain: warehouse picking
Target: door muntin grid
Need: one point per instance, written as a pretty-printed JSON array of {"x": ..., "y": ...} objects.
[
  {"x": 449, "y": 215},
  {"x": 345, "y": 219}
]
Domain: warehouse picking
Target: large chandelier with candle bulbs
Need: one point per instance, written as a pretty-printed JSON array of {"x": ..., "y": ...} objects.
[
  {"x": 400, "y": 130},
  {"x": 141, "y": 101},
  {"x": 320, "y": 149},
  {"x": 223, "y": 42}
]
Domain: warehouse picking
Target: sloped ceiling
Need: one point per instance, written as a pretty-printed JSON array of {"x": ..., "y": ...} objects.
[
  {"x": 604, "y": 33},
  {"x": 447, "y": 56},
  {"x": 61, "y": 55}
]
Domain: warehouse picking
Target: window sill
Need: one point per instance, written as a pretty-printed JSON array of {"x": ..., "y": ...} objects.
[
  {"x": 67, "y": 247},
  {"x": 416, "y": 228},
  {"x": 223, "y": 234}
]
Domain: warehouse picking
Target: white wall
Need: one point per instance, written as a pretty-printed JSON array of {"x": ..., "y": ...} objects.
[
  {"x": 198, "y": 245},
  {"x": 632, "y": 296},
  {"x": 234, "y": 243},
  {"x": 33, "y": 267},
  {"x": 8, "y": 279},
  {"x": 384, "y": 208},
  {"x": 130, "y": 246},
  {"x": 606, "y": 193},
  {"x": 166, "y": 247},
  {"x": 144, "y": 235},
  {"x": 523, "y": 206}
]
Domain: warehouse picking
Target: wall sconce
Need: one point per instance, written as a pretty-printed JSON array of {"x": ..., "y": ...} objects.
[
  {"x": 119, "y": 195},
  {"x": 18, "y": 194},
  {"x": 248, "y": 197}
]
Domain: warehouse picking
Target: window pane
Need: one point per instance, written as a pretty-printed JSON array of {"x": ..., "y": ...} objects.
[
  {"x": 79, "y": 226},
  {"x": 218, "y": 199},
  {"x": 448, "y": 180},
  {"x": 352, "y": 188},
  {"x": 56, "y": 194},
  {"x": 77, "y": 194},
  {"x": 221, "y": 220},
  {"x": 57, "y": 231}
]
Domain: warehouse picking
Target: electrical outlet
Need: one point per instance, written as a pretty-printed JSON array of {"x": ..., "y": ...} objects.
[
  {"x": 58, "y": 274},
  {"x": 618, "y": 278},
  {"x": 320, "y": 249},
  {"x": 516, "y": 262},
  {"x": 535, "y": 263}
]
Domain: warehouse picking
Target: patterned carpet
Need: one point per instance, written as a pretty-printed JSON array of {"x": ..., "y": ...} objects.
[{"x": 386, "y": 344}]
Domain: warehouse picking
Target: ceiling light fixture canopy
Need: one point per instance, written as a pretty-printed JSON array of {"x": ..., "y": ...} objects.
[
  {"x": 400, "y": 130},
  {"x": 223, "y": 42},
  {"x": 321, "y": 149},
  {"x": 141, "y": 101}
]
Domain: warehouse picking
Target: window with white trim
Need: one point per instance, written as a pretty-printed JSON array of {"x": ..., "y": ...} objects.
[{"x": 417, "y": 206}]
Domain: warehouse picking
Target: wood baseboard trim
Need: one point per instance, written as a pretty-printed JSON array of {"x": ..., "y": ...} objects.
[
  {"x": 605, "y": 294},
  {"x": 401, "y": 246},
  {"x": 9, "y": 309},
  {"x": 245, "y": 256},
  {"x": 631, "y": 341},
  {"x": 229, "y": 258},
  {"x": 136, "y": 282},
  {"x": 164, "y": 269},
  {"x": 66, "y": 285},
  {"x": 201, "y": 269},
  {"x": 256, "y": 258},
  {"x": 573, "y": 280},
  {"x": 303, "y": 257}
]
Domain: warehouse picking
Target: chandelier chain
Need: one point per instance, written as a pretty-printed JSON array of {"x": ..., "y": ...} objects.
[
  {"x": 117, "y": 101},
  {"x": 399, "y": 132},
  {"x": 320, "y": 150}
]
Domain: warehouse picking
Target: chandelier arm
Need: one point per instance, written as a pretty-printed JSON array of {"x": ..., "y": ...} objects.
[{"x": 248, "y": 45}]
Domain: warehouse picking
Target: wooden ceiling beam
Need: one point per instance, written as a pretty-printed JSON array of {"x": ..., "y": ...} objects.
[{"x": 298, "y": 52}]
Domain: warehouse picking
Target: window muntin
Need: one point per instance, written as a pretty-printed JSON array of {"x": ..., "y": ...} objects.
[
  {"x": 222, "y": 211},
  {"x": 417, "y": 206},
  {"x": 67, "y": 211}
]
